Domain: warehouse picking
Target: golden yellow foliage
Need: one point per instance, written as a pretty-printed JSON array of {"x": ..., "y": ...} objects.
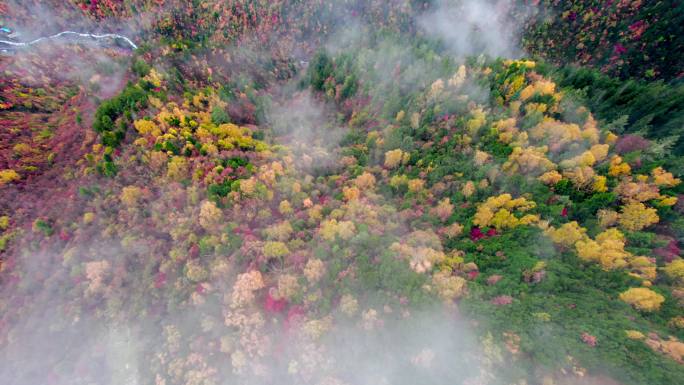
[
  {"x": 550, "y": 177},
  {"x": 557, "y": 133},
  {"x": 664, "y": 179},
  {"x": 607, "y": 218},
  {"x": 154, "y": 77},
  {"x": 393, "y": 158},
  {"x": 504, "y": 125},
  {"x": 285, "y": 208},
  {"x": 146, "y": 127},
  {"x": 503, "y": 219},
  {"x": 531, "y": 108},
  {"x": 600, "y": 183},
  {"x": 478, "y": 120},
  {"x": 643, "y": 267},
  {"x": 209, "y": 149},
  {"x": 140, "y": 142},
  {"x": 88, "y": 218},
  {"x": 131, "y": 196},
  {"x": 314, "y": 270},
  {"x": 506, "y": 137},
  {"x": 618, "y": 167},
  {"x": 513, "y": 85},
  {"x": 675, "y": 270},
  {"x": 315, "y": 213},
  {"x": 22, "y": 149},
  {"x": 248, "y": 186},
  {"x": 398, "y": 180},
  {"x": 481, "y": 157},
  {"x": 275, "y": 249},
  {"x": 585, "y": 159},
  {"x": 677, "y": 322},
  {"x": 668, "y": 200},
  {"x": 365, "y": 181},
  {"x": 607, "y": 250},
  {"x": 416, "y": 185},
  {"x": 568, "y": 234},
  {"x": 178, "y": 168},
  {"x": 210, "y": 216},
  {"x": 328, "y": 229},
  {"x": 351, "y": 193},
  {"x": 611, "y": 138},
  {"x": 498, "y": 211},
  {"x": 600, "y": 151},
  {"x": 522, "y": 63},
  {"x": 346, "y": 229},
  {"x": 4, "y": 222},
  {"x": 8, "y": 176},
  {"x": 635, "y": 335},
  {"x": 332, "y": 228},
  {"x": 448, "y": 287},
  {"x": 674, "y": 348},
  {"x": 588, "y": 250},
  {"x": 483, "y": 216},
  {"x": 541, "y": 87},
  {"x": 581, "y": 177},
  {"x": 528, "y": 160},
  {"x": 636, "y": 216},
  {"x": 155, "y": 102},
  {"x": 643, "y": 299},
  {"x": 506, "y": 129},
  {"x": 279, "y": 231}
]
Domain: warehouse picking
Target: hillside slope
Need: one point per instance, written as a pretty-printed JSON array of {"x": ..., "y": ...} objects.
[{"x": 263, "y": 194}]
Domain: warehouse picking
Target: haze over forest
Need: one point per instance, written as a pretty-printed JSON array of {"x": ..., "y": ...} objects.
[{"x": 341, "y": 192}]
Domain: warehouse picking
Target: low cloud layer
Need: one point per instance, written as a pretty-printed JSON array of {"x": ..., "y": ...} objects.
[{"x": 474, "y": 27}]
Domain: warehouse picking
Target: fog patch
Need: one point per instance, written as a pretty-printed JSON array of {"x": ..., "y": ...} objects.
[{"x": 474, "y": 27}]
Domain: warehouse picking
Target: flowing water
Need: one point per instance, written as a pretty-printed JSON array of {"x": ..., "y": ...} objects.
[{"x": 71, "y": 33}]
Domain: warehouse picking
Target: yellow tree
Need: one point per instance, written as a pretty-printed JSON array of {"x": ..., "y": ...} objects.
[
  {"x": 7, "y": 176},
  {"x": 550, "y": 177},
  {"x": 568, "y": 234},
  {"x": 275, "y": 249},
  {"x": 636, "y": 216},
  {"x": 643, "y": 299},
  {"x": 498, "y": 211},
  {"x": 131, "y": 195},
  {"x": 607, "y": 249},
  {"x": 664, "y": 179},
  {"x": 618, "y": 167},
  {"x": 675, "y": 270},
  {"x": 178, "y": 168},
  {"x": 394, "y": 158},
  {"x": 210, "y": 216},
  {"x": 365, "y": 181}
]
